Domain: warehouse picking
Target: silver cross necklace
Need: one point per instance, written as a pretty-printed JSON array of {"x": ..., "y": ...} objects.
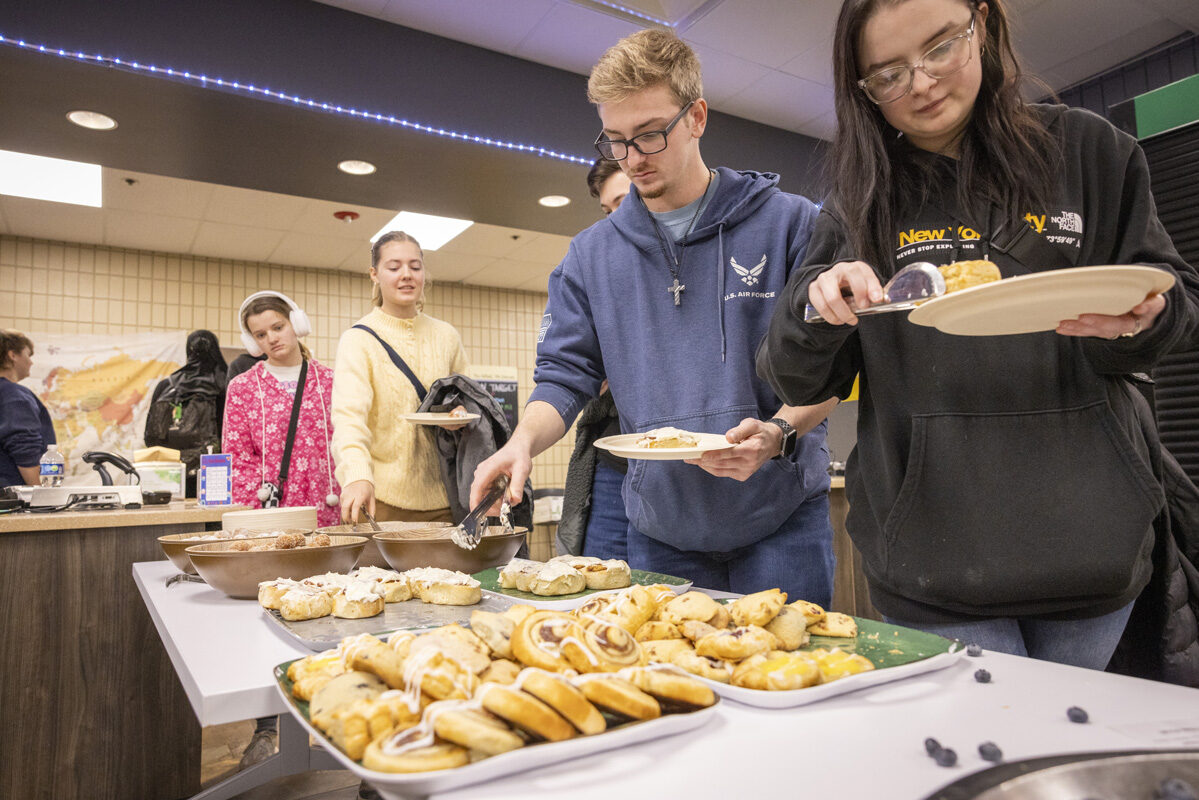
[{"x": 674, "y": 263}]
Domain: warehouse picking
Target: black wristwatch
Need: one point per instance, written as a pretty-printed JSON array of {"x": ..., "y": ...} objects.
[{"x": 790, "y": 435}]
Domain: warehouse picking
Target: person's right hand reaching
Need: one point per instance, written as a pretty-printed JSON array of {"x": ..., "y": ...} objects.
[
  {"x": 354, "y": 497},
  {"x": 824, "y": 293},
  {"x": 511, "y": 460}
]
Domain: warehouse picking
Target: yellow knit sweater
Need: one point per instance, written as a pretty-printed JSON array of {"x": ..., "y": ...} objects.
[{"x": 370, "y": 441}]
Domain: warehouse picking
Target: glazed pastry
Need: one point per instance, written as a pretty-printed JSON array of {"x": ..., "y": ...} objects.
[
  {"x": 964, "y": 274},
  {"x": 692, "y": 605},
  {"x": 357, "y": 600},
  {"x": 270, "y": 593},
  {"x": 657, "y": 631},
  {"x": 413, "y": 750},
  {"x": 560, "y": 695},
  {"x": 444, "y": 587},
  {"x": 523, "y": 710},
  {"x": 601, "y": 645},
  {"x": 309, "y": 674},
  {"x": 537, "y": 641},
  {"x": 596, "y": 605},
  {"x": 618, "y": 696},
  {"x": 305, "y": 603},
  {"x": 610, "y": 574},
  {"x": 339, "y": 692},
  {"x": 349, "y": 728},
  {"x": 722, "y": 618},
  {"x": 812, "y": 613},
  {"x": 472, "y": 728},
  {"x": 777, "y": 672},
  {"x": 714, "y": 669},
  {"x": 501, "y": 671},
  {"x": 556, "y": 579},
  {"x": 835, "y": 624},
  {"x": 517, "y": 613},
  {"x": 495, "y": 630},
  {"x": 836, "y": 663},
  {"x": 789, "y": 627},
  {"x": 632, "y": 608},
  {"x": 401, "y": 642},
  {"x": 437, "y": 676},
  {"x": 519, "y": 574},
  {"x": 694, "y": 630},
  {"x": 394, "y": 586},
  {"x": 663, "y": 652},
  {"x": 661, "y": 593},
  {"x": 757, "y": 608},
  {"x": 667, "y": 437},
  {"x": 365, "y": 653},
  {"x": 734, "y": 644},
  {"x": 457, "y": 644},
  {"x": 578, "y": 562},
  {"x": 670, "y": 686}
]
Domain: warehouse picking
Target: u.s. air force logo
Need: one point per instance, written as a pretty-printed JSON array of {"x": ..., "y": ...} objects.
[{"x": 750, "y": 276}]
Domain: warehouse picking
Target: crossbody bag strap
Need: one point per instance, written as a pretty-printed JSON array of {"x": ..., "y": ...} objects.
[
  {"x": 291, "y": 428},
  {"x": 399, "y": 362}
]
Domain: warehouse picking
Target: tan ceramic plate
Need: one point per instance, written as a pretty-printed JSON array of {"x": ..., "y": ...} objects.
[
  {"x": 625, "y": 446},
  {"x": 238, "y": 573},
  {"x": 1038, "y": 302},
  {"x": 437, "y": 418}
]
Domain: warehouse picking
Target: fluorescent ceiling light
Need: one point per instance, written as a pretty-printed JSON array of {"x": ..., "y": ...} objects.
[
  {"x": 93, "y": 120},
  {"x": 431, "y": 231},
  {"x": 53, "y": 179},
  {"x": 355, "y": 167},
  {"x": 554, "y": 201}
]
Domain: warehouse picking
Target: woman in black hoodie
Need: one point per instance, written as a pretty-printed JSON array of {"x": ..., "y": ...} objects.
[{"x": 1003, "y": 488}]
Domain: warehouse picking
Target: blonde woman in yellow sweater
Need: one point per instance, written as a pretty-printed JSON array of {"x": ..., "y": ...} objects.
[{"x": 385, "y": 464}]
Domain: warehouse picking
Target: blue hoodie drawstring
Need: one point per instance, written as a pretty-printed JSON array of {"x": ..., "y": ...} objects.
[{"x": 720, "y": 296}]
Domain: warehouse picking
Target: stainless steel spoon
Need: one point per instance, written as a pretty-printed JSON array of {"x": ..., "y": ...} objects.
[{"x": 908, "y": 288}]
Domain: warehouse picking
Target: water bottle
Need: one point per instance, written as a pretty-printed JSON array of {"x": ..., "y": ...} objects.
[{"x": 52, "y": 466}]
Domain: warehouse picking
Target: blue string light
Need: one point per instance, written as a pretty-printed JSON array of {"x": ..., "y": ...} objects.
[
  {"x": 634, "y": 13},
  {"x": 207, "y": 82}
]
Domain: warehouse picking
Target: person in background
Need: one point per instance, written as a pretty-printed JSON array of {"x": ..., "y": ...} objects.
[
  {"x": 385, "y": 464},
  {"x": 258, "y": 413},
  {"x": 240, "y": 364},
  {"x": 668, "y": 298},
  {"x": 25, "y": 427},
  {"x": 187, "y": 406},
  {"x": 593, "y": 521},
  {"x": 1003, "y": 488}
]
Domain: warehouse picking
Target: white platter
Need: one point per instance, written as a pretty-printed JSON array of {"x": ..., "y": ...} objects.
[
  {"x": 438, "y": 418},
  {"x": 625, "y": 446},
  {"x": 395, "y": 786},
  {"x": 1038, "y": 302}
]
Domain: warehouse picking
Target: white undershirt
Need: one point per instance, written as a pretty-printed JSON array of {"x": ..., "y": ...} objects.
[{"x": 288, "y": 377}]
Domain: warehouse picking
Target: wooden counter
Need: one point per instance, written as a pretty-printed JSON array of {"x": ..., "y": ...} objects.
[{"x": 98, "y": 709}]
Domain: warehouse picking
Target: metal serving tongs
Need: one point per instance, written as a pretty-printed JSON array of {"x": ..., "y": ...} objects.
[
  {"x": 909, "y": 287},
  {"x": 468, "y": 532}
]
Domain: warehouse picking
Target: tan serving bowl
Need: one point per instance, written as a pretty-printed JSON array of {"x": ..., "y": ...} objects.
[
  {"x": 371, "y": 557},
  {"x": 175, "y": 545},
  {"x": 410, "y": 549},
  {"x": 237, "y": 573}
]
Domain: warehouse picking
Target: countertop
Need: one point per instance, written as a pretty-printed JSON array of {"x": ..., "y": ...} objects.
[{"x": 177, "y": 512}]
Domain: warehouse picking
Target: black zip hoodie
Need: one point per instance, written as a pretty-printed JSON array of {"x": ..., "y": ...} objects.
[{"x": 999, "y": 476}]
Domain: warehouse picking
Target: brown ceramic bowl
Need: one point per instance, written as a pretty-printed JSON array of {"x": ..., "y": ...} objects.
[
  {"x": 404, "y": 553},
  {"x": 237, "y": 573},
  {"x": 175, "y": 545},
  {"x": 371, "y": 557}
]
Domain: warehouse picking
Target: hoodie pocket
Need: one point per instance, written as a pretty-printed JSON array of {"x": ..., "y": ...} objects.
[{"x": 997, "y": 509}]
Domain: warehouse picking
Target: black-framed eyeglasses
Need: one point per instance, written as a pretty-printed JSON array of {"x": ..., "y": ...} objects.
[
  {"x": 944, "y": 59},
  {"x": 646, "y": 143}
]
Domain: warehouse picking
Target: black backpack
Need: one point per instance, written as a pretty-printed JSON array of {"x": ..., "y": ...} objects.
[{"x": 189, "y": 425}]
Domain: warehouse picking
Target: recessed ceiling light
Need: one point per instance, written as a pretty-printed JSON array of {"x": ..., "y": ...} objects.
[
  {"x": 93, "y": 120},
  {"x": 554, "y": 201},
  {"x": 53, "y": 179},
  {"x": 356, "y": 167},
  {"x": 431, "y": 231}
]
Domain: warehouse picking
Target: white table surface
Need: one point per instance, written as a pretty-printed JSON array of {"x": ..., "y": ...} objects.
[{"x": 868, "y": 744}]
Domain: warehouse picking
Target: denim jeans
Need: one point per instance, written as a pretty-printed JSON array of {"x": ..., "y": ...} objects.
[
  {"x": 797, "y": 558},
  {"x": 1087, "y": 643},
  {"x": 607, "y": 526}
]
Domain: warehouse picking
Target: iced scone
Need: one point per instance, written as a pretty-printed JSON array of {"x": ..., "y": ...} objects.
[{"x": 667, "y": 437}]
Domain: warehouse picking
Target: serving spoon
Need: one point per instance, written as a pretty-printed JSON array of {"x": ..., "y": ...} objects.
[{"x": 908, "y": 288}]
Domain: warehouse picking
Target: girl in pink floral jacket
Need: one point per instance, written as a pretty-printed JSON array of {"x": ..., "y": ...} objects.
[{"x": 258, "y": 410}]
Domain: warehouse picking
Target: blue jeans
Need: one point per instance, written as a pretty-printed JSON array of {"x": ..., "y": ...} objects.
[
  {"x": 1087, "y": 643},
  {"x": 607, "y": 526},
  {"x": 797, "y": 558}
]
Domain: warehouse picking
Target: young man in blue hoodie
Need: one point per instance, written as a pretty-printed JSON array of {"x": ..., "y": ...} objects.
[{"x": 668, "y": 298}]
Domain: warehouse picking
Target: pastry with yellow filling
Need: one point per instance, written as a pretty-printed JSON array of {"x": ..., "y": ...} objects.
[
  {"x": 964, "y": 274},
  {"x": 777, "y": 672},
  {"x": 837, "y": 663},
  {"x": 667, "y": 437}
]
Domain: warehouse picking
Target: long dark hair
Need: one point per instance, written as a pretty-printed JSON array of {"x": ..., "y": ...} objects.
[{"x": 1007, "y": 158}]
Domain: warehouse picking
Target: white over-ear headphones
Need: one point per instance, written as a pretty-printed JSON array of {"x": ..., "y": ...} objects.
[{"x": 299, "y": 320}]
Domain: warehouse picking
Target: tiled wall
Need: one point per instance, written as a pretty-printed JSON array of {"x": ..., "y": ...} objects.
[{"x": 74, "y": 288}]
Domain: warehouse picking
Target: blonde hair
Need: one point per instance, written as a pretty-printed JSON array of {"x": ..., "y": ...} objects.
[
  {"x": 642, "y": 60},
  {"x": 376, "y": 253},
  {"x": 271, "y": 303}
]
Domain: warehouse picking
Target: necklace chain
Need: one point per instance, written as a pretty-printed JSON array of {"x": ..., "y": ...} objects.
[{"x": 674, "y": 263}]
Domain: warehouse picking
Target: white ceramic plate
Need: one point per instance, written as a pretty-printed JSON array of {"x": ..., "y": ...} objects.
[
  {"x": 421, "y": 784},
  {"x": 850, "y": 683},
  {"x": 625, "y": 446},
  {"x": 1038, "y": 302},
  {"x": 437, "y": 418}
]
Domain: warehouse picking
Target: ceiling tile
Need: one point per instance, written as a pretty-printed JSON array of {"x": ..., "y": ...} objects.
[
  {"x": 43, "y": 219},
  {"x": 486, "y": 240},
  {"x": 317, "y": 217},
  {"x": 155, "y": 194},
  {"x": 1038, "y": 34},
  {"x": 782, "y": 100},
  {"x": 538, "y": 284},
  {"x": 768, "y": 32},
  {"x": 573, "y": 38},
  {"x": 823, "y": 127},
  {"x": 1130, "y": 43},
  {"x": 450, "y": 267},
  {"x": 815, "y": 64},
  {"x": 359, "y": 259},
  {"x": 725, "y": 75},
  {"x": 308, "y": 250},
  {"x": 496, "y": 26},
  {"x": 543, "y": 248},
  {"x": 220, "y": 240},
  {"x": 247, "y": 207},
  {"x": 506, "y": 273},
  {"x": 3, "y": 223},
  {"x": 137, "y": 229}
]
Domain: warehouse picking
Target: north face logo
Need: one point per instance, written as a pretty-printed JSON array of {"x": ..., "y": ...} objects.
[{"x": 749, "y": 276}]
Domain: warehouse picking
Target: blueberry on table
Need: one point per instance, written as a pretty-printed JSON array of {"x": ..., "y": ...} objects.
[
  {"x": 974, "y": 650},
  {"x": 1076, "y": 714},
  {"x": 1175, "y": 789},
  {"x": 932, "y": 746},
  {"x": 946, "y": 757},
  {"x": 990, "y": 752},
  {"x": 982, "y": 676}
]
